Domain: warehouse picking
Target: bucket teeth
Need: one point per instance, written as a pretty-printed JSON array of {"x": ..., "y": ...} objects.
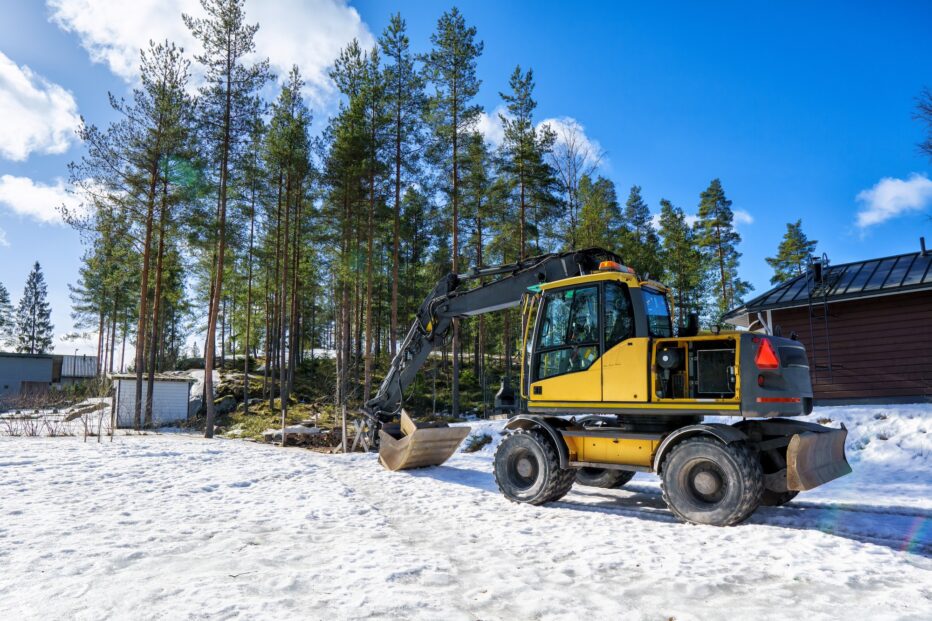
[
  {"x": 419, "y": 446},
  {"x": 814, "y": 458}
]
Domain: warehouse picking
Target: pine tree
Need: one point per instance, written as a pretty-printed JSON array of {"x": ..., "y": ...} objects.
[
  {"x": 451, "y": 68},
  {"x": 478, "y": 207},
  {"x": 227, "y": 111},
  {"x": 718, "y": 239},
  {"x": 640, "y": 246},
  {"x": 599, "y": 215},
  {"x": 524, "y": 149},
  {"x": 345, "y": 177},
  {"x": 7, "y": 318},
  {"x": 33, "y": 317},
  {"x": 404, "y": 93},
  {"x": 792, "y": 254},
  {"x": 682, "y": 260}
]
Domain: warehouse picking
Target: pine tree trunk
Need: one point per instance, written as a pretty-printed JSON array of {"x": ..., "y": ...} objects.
[
  {"x": 252, "y": 228},
  {"x": 100, "y": 342},
  {"x": 156, "y": 303},
  {"x": 283, "y": 297},
  {"x": 144, "y": 295},
  {"x": 367, "y": 385},
  {"x": 396, "y": 232},
  {"x": 455, "y": 388},
  {"x": 113, "y": 326},
  {"x": 293, "y": 330},
  {"x": 221, "y": 251}
]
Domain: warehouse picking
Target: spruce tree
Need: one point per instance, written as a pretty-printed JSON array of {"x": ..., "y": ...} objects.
[
  {"x": 640, "y": 246},
  {"x": 792, "y": 254},
  {"x": 33, "y": 317},
  {"x": 7, "y": 318},
  {"x": 682, "y": 260},
  {"x": 451, "y": 68},
  {"x": 718, "y": 239}
]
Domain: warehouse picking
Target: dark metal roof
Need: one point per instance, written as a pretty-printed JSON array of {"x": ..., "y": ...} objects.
[
  {"x": 848, "y": 281},
  {"x": 10, "y": 354}
]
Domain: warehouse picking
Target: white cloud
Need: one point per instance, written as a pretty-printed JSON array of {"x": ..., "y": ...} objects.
[
  {"x": 39, "y": 201},
  {"x": 571, "y": 133},
  {"x": 3, "y": 241},
  {"x": 309, "y": 33},
  {"x": 35, "y": 114},
  {"x": 891, "y": 197},
  {"x": 490, "y": 126},
  {"x": 743, "y": 217},
  {"x": 567, "y": 129}
]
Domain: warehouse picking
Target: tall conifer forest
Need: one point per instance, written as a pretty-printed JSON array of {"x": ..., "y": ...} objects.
[{"x": 228, "y": 225}]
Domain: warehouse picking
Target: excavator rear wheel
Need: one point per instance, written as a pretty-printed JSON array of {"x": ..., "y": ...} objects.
[
  {"x": 527, "y": 469},
  {"x": 705, "y": 481},
  {"x": 603, "y": 477}
]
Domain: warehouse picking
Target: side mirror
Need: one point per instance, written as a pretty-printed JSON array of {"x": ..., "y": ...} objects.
[{"x": 692, "y": 325}]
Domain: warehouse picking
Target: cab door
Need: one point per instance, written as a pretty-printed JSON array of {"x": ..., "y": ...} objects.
[
  {"x": 566, "y": 365},
  {"x": 624, "y": 364}
]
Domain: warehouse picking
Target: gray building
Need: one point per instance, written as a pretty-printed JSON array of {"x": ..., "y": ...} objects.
[
  {"x": 68, "y": 370},
  {"x": 24, "y": 374}
]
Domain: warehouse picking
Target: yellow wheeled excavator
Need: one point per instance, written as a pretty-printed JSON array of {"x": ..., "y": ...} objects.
[{"x": 609, "y": 389}]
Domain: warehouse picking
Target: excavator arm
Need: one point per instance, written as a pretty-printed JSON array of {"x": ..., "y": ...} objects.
[{"x": 451, "y": 299}]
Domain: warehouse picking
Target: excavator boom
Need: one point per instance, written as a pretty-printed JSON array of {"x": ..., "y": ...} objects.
[{"x": 408, "y": 445}]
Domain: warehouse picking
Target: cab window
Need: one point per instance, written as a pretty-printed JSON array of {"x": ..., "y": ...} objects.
[
  {"x": 569, "y": 334},
  {"x": 619, "y": 315},
  {"x": 658, "y": 314}
]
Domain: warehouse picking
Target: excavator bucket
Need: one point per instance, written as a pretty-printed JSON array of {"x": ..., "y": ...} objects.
[
  {"x": 814, "y": 458},
  {"x": 413, "y": 445}
]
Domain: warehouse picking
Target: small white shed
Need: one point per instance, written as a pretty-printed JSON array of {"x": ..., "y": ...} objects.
[{"x": 170, "y": 397}]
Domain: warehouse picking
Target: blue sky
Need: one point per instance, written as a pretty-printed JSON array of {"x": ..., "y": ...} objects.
[{"x": 804, "y": 111}]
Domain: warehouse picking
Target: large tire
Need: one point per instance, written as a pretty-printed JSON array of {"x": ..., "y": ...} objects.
[
  {"x": 603, "y": 477},
  {"x": 707, "y": 482},
  {"x": 527, "y": 469}
]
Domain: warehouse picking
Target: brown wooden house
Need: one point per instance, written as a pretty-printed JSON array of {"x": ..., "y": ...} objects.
[{"x": 867, "y": 326}]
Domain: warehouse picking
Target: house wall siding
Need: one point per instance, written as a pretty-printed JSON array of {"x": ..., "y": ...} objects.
[
  {"x": 14, "y": 370},
  {"x": 169, "y": 402},
  {"x": 879, "y": 347}
]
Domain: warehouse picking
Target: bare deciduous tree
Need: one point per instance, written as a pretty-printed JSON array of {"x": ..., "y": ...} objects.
[{"x": 573, "y": 156}]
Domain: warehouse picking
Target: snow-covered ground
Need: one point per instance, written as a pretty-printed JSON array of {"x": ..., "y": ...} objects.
[{"x": 173, "y": 526}]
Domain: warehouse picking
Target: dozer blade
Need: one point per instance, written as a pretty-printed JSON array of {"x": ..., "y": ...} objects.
[
  {"x": 417, "y": 446},
  {"x": 814, "y": 458}
]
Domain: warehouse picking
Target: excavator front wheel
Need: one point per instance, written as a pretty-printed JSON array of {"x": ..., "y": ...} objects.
[{"x": 527, "y": 469}]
